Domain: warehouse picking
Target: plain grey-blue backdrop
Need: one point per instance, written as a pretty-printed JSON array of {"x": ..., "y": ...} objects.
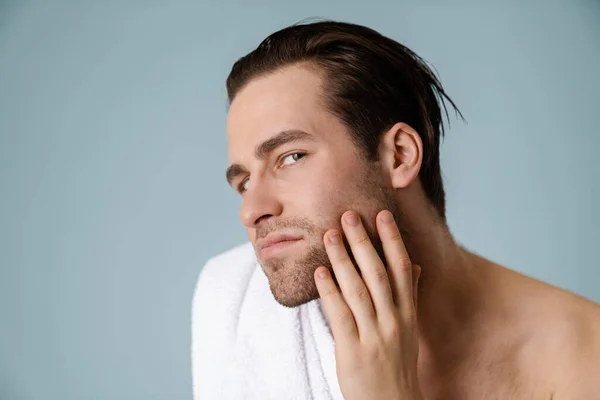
[{"x": 113, "y": 151}]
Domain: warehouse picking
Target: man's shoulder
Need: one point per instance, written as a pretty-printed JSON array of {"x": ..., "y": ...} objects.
[
  {"x": 563, "y": 345},
  {"x": 572, "y": 325},
  {"x": 558, "y": 316},
  {"x": 575, "y": 346}
]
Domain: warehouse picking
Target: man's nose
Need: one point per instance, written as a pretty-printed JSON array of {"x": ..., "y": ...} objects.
[{"x": 259, "y": 203}]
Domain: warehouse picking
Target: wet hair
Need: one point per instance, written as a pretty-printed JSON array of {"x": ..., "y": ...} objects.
[{"x": 371, "y": 82}]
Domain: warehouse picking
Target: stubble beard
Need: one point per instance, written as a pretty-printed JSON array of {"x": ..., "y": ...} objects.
[{"x": 291, "y": 280}]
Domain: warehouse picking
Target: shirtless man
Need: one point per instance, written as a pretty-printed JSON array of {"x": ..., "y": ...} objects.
[{"x": 346, "y": 122}]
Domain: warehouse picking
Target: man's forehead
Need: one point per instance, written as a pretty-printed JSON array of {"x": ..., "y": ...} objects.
[
  {"x": 290, "y": 93},
  {"x": 271, "y": 104}
]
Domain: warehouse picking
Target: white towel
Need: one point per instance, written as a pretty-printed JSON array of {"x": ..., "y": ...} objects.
[{"x": 245, "y": 345}]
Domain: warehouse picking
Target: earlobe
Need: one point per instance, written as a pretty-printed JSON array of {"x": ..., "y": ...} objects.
[{"x": 404, "y": 150}]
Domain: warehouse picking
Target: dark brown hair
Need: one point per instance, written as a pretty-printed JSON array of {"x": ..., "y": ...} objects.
[{"x": 372, "y": 82}]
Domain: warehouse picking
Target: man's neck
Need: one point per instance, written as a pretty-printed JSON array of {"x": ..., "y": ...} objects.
[{"x": 450, "y": 295}]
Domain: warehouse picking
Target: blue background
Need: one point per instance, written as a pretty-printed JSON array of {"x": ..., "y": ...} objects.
[{"x": 113, "y": 151}]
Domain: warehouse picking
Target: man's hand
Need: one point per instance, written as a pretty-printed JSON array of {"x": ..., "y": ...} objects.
[{"x": 374, "y": 322}]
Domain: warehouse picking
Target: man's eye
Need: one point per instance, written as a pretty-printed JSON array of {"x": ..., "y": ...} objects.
[
  {"x": 294, "y": 158},
  {"x": 241, "y": 187}
]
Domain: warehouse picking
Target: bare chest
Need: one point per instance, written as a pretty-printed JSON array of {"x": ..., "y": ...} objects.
[
  {"x": 511, "y": 387},
  {"x": 490, "y": 379}
]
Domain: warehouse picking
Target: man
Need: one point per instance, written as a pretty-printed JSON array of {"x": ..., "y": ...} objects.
[{"x": 331, "y": 120}]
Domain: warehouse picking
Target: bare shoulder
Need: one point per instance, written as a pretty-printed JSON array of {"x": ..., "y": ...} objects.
[
  {"x": 576, "y": 346},
  {"x": 561, "y": 344}
]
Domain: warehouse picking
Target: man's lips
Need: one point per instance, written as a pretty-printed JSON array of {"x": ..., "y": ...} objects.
[
  {"x": 276, "y": 248},
  {"x": 274, "y": 243}
]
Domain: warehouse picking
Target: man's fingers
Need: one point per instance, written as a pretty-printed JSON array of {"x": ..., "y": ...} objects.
[
  {"x": 398, "y": 262},
  {"x": 341, "y": 319},
  {"x": 371, "y": 266},
  {"x": 353, "y": 288}
]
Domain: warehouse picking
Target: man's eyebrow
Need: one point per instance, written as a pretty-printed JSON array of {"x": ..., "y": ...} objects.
[{"x": 263, "y": 149}]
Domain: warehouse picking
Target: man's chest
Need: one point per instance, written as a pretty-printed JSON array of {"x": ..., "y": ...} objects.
[
  {"x": 490, "y": 391},
  {"x": 489, "y": 382}
]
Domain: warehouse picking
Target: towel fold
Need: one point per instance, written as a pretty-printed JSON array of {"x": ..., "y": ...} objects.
[{"x": 245, "y": 345}]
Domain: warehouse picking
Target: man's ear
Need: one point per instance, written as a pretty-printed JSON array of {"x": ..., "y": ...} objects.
[{"x": 401, "y": 152}]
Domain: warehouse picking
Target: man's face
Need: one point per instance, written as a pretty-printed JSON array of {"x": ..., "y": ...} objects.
[{"x": 301, "y": 187}]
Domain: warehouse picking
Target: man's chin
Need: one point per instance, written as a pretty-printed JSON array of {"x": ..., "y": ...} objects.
[
  {"x": 290, "y": 285},
  {"x": 291, "y": 278},
  {"x": 294, "y": 300}
]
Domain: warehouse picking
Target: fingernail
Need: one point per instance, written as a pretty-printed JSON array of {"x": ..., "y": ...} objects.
[
  {"x": 334, "y": 238},
  {"x": 322, "y": 273},
  {"x": 352, "y": 219},
  {"x": 387, "y": 216}
]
